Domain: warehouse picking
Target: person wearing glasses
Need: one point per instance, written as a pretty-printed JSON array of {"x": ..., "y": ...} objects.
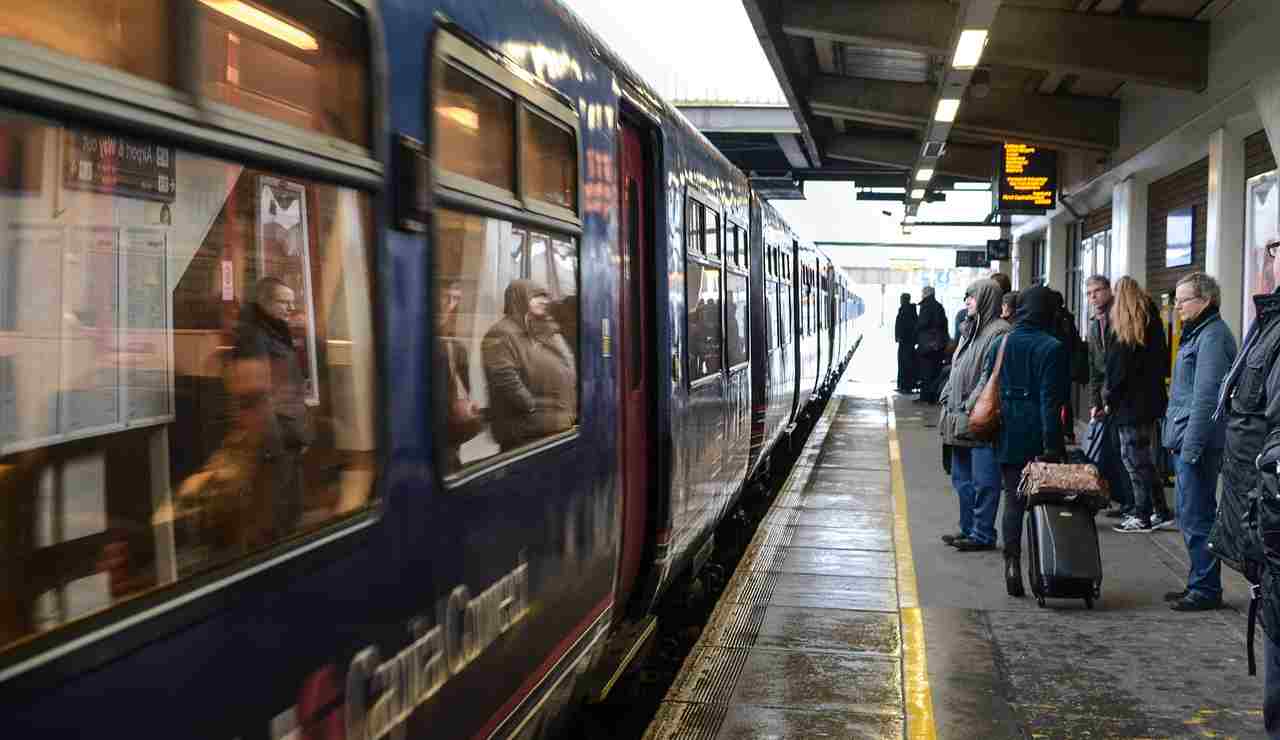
[
  {"x": 1192, "y": 436},
  {"x": 1249, "y": 404}
]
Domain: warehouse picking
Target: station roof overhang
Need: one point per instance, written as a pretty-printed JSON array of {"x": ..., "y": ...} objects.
[{"x": 866, "y": 80}]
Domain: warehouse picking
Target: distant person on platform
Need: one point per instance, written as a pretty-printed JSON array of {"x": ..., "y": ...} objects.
[
  {"x": 904, "y": 332},
  {"x": 1100, "y": 338},
  {"x": 1006, "y": 285},
  {"x": 931, "y": 344}
]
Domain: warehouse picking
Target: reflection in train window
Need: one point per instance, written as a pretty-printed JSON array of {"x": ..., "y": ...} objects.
[
  {"x": 189, "y": 368},
  {"x": 549, "y": 163},
  {"x": 473, "y": 130},
  {"x": 506, "y": 369},
  {"x": 735, "y": 327},
  {"x": 693, "y": 226},
  {"x": 307, "y": 68},
  {"x": 711, "y": 231},
  {"x": 702, "y": 293}
]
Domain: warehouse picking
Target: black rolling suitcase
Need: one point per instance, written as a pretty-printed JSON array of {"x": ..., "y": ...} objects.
[
  {"x": 1062, "y": 550},
  {"x": 1064, "y": 560}
]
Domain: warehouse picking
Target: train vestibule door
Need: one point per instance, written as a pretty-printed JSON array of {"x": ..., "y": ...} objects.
[{"x": 636, "y": 359}]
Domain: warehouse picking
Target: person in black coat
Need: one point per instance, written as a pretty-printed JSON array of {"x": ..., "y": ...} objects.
[
  {"x": 1134, "y": 397},
  {"x": 904, "y": 332},
  {"x": 931, "y": 344}
]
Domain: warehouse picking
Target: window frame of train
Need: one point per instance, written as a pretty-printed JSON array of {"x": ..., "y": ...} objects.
[
  {"x": 736, "y": 246},
  {"x": 456, "y": 194},
  {"x": 696, "y": 253},
  {"x": 68, "y": 94}
]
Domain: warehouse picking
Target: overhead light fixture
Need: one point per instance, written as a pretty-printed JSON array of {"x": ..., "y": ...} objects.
[
  {"x": 924, "y": 175},
  {"x": 917, "y": 194},
  {"x": 969, "y": 48},
  {"x": 947, "y": 108},
  {"x": 265, "y": 22},
  {"x": 934, "y": 148}
]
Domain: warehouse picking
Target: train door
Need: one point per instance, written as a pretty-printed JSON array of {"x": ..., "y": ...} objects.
[{"x": 635, "y": 355}]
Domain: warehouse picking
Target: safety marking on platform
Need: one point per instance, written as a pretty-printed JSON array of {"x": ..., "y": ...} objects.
[{"x": 915, "y": 670}]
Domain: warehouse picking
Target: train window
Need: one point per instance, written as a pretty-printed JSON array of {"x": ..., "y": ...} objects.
[
  {"x": 693, "y": 226},
  {"x": 735, "y": 329},
  {"x": 548, "y": 162},
  {"x": 307, "y": 68},
  {"x": 189, "y": 371},
  {"x": 507, "y": 332},
  {"x": 770, "y": 320},
  {"x": 702, "y": 294},
  {"x": 711, "y": 234},
  {"x": 473, "y": 130}
]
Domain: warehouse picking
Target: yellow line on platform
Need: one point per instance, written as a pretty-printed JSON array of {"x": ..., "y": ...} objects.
[{"x": 915, "y": 669}]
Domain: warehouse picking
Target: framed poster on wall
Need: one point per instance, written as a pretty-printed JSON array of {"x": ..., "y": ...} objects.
[
  {"x": 284, "y": 252},
  {"x": 1261, "y": 227}
]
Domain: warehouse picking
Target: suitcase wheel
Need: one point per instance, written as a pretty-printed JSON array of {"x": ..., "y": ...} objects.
[{"x": 1040, "y": 601}]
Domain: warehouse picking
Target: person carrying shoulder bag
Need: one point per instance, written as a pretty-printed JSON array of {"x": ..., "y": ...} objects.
[{"x": 975, "y": 474}]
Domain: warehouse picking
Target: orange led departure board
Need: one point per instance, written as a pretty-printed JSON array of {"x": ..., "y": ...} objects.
[{"x": 1026, "y": 178}]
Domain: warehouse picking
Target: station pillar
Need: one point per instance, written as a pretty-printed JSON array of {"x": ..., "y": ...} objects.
[
  {"x": 1057, "y": 250},
  {"x": 1129, "y": 231},
  {"x": 1022, "y": 267},
  {"x": 1224, "y": 246},
  {"x": 1266, "y": 94}
]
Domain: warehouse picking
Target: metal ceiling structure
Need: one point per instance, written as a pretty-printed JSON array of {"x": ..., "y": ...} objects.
[{"x": 920, "y": 92}]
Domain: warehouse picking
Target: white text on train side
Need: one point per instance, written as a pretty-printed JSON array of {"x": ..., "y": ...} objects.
[{"x": 381, "y": 696}]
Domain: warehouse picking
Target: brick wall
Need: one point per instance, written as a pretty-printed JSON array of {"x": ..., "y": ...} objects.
[
  {"x": 1097, "y": 221},
  {"x": 1257, "y": 155},
  {"x": 1187, "y": 187}
]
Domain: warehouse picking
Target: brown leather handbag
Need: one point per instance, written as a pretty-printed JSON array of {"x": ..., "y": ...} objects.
[{"x": 984, "y": 418}]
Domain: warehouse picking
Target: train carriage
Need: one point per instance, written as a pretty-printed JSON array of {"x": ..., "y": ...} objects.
[{"x": 398, "y": 358}]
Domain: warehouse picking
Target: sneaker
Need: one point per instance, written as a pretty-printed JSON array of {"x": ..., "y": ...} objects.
[
  {"x": 1193, "y": 604},
  {"x": 1133, "y": 525},
  {"x": 1176, "y": 595},
  {"x": 1159, "y": 522}
]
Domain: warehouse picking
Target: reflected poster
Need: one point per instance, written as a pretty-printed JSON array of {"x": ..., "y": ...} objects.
[{"x": 284, "y": 252}]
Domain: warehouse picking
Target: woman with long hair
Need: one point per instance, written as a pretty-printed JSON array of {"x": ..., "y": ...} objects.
[{"x": 1134, "y": 398}]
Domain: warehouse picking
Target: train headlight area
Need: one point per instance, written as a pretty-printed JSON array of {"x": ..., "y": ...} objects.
[{"x": 422, "y": 358}]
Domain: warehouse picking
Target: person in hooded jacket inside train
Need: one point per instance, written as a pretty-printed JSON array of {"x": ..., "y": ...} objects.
[
  {"x": 1034, "y": 383},
  {"x": 975, "y": 474},
  {"x": 532, "y": 374},
  {"x": 904, "y": 331}
]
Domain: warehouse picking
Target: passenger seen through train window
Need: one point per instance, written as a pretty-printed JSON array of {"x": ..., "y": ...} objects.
[{"x": 187, "y": 371}]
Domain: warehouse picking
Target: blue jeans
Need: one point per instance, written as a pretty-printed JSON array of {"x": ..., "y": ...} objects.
[
  {"x": 976, "y": 477},
  {"x": 1112, "y": 468},
  {"x": 1271, "y": 686},
  {"x": 1136, "y": 453},
  {"x": 1195, "y": 490}
]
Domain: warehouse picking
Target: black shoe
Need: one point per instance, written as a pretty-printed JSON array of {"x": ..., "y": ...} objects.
[
  {"x": 1176, "y": 595},
  {"x": 1013, "y": 575},
  {"x": 1192, "y": 604},
  {"x": 950, "y": 539},
  {"x": 964, "y": 544}
]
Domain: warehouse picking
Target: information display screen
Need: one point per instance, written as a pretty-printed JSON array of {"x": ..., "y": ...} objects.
[
  {"x": 968, "y": 258},
  {"x": 1026, "y": 179}
]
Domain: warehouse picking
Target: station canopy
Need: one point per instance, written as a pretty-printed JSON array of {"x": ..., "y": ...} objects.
[{"x": 921, "y": 94}]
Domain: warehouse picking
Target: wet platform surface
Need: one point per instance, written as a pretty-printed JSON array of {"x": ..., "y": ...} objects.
[
  {"x": 846, "y": 621},
  {"x": 806, "y": 641}
]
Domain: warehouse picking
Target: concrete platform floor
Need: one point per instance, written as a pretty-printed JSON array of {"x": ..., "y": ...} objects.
[{"x": 1001, "y": 667}]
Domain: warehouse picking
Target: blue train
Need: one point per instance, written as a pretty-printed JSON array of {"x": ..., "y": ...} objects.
[{"x": 367, "y": 368}]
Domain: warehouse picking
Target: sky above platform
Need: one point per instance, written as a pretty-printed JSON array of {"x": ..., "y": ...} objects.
[{"x": 706, "y": 50}]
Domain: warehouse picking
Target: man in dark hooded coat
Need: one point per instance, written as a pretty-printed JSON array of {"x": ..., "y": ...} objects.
[
  {"x": 904, "y": 331},
  {"x": 532, "y": 373},
  {"x": 931, "y": 344}
]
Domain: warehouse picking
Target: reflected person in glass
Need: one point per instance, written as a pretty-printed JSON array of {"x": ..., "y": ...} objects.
[
  {"x": 463, "y": 418},
  {"x": 532, "y": 373}
]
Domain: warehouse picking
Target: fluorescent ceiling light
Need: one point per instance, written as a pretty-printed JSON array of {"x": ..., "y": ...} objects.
[
  {"x": 265, "y": 22},
  {"x": 947, "y": 108},
  {"x": 969, "y": 48},
  {"x": 917, "y": 194},
  {"x": 924, "y": 175},
  {"x": 464, "y": 117}
]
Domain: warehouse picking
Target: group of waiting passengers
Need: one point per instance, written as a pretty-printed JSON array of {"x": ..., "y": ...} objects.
[{"x": 1221, "y": 414}]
